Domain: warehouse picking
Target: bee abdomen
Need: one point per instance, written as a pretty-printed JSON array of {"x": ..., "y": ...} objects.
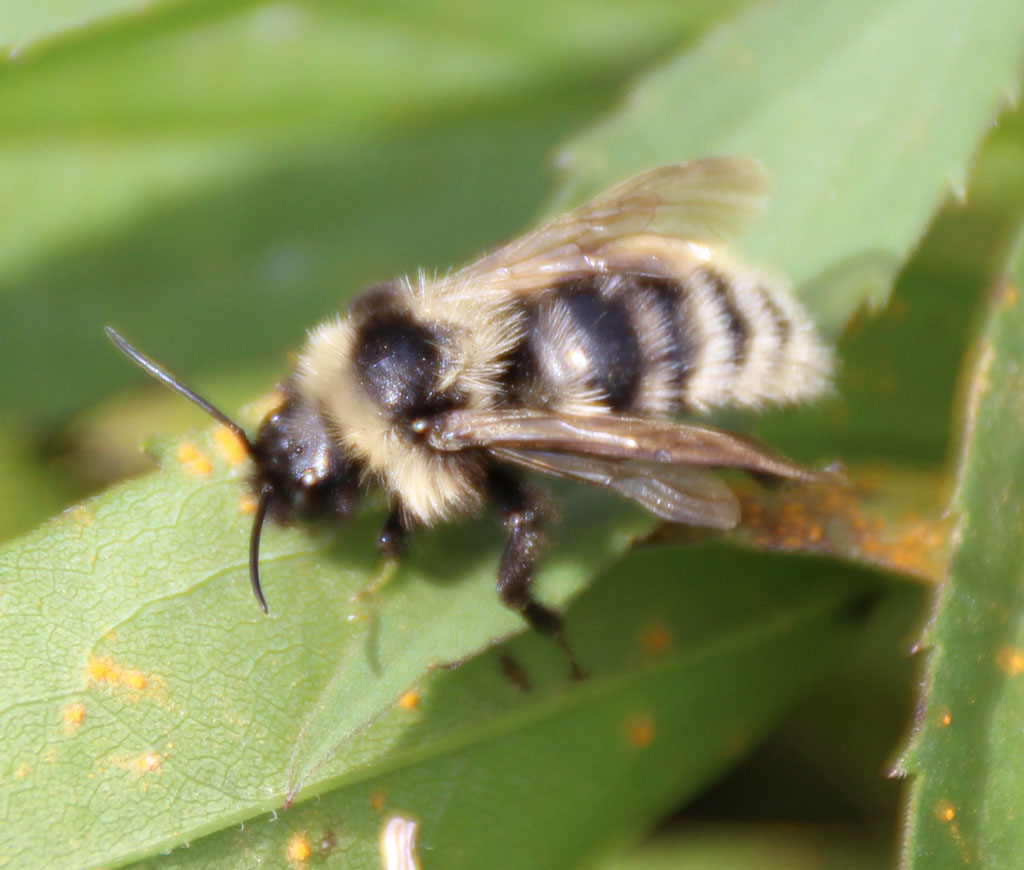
[
  {"x": 650, "y": 345},
  {"x": 756, "y": 343}
]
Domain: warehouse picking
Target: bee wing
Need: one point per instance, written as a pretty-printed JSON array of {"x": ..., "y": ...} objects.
[
  {"x": 703, "y": 201},
  {"x": 677, "y": 493},
  {"x": 615, "y": 437}
]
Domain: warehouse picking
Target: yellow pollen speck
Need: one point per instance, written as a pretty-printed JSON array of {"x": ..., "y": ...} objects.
[
  {"x": 73, "y": 715},
  {"x": 135, "y": 680},
  {"x": 377, "y": 800},
  {"x": 193, "y": 459},
  {"x": 1010, "y": 295},
  {"x": 1010, "y": 660},
  {"x": 148, "y": 763},
  {"x": 229, "y": 445},
  {"x": 409, "y": 700},
  {"x": 640, "y": 731},
  {"x": 945, "y": 811},
  {"x": 24, "y": 769},
  {"x": 247, "y": 503},
  {"x": 104, "y": 670},
  {"x": 299, "y": 848},
  {"x": 945, "y": 718},
  {"x": 99, "y": 670},
  {"x": 655, "y": 637}
]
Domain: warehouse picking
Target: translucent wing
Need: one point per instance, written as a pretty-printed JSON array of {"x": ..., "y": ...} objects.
[
  {"x": 706, "y": 201},
  {"x": 677, "y": 493},
  {"x": 618, "y": 437}
]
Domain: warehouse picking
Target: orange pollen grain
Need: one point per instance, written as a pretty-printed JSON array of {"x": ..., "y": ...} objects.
[
  {"x": 24, "y": 769},
  {"x": 193, "y": 459},
  {"x": 299, "y": 848},
  {"x": 247, "y": 503},
  {"x": 1010, "y": 660},
  {"x": 409, "y": 700},
  {"x": 148, "y": 763},
  {"x": 655, "y": 637},
  {"x": 135, "y": 680},
  {"x": 640, "y": 731},
  {"x": 73, "y": 715},
  {"x": 945, "y": 811},
  {"x": 945, "y": 719},
  {"x": 377, "y": 800},
  {"x": 100, "y": 670},
  {"x": 230, "y": 446},
  {"x": 104, "y": 670}
]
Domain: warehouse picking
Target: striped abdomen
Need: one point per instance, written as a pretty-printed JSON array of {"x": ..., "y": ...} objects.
[{"x": 647, "y": 345}]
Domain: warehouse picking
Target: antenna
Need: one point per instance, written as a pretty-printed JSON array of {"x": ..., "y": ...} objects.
[
  {"x": 157, "y": 371},
  {"x": 266, "y": 494}
]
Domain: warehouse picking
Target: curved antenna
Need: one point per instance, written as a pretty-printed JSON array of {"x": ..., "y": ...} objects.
[
  {"x": 157, "y": 371},
  {"x": 266, "y": 494}
]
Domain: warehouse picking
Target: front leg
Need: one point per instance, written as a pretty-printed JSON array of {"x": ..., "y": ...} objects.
[
  {"x": 394, "y": 535},
  {"x": 391, "y": 541},
  {"x": 521, "y": 509}
]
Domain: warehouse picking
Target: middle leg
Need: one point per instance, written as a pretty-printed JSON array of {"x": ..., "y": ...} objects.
[{"x": 521, "y": 509}]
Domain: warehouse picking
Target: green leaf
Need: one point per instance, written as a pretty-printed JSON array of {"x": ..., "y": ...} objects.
[
  {"x": 965, "y": 756},
  {"x": 134, "y": 731},
  {"x": 867, "y": 115},
  {"x": 137, "y": 604}
]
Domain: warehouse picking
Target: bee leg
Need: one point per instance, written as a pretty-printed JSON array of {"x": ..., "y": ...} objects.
[
  {"x": 521, "y": 510},
  {"x": 394, "y": 535}
]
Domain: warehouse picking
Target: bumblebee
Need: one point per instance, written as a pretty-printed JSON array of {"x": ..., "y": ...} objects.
[{"x": 567, "y": 352}]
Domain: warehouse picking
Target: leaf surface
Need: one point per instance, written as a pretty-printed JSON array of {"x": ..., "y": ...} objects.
[{"x": 966, "y": 751}]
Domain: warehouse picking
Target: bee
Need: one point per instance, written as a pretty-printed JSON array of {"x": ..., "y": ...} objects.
[{"x": 567, "y": 352}]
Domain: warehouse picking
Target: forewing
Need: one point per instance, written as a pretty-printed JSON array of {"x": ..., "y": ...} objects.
[
  {"x": 677, "y": 493},
  {"x": 706, "y": 201},
  {"x": 615, "y": 437}
]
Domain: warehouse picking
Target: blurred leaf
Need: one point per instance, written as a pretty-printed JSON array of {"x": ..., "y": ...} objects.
[
  {"x": 30, "y": 491},
  {"x": 884, "y": 517},
  {"x": 752, "y": 848},
  {"x": 866, "y": 114},
  {"x": 24, "y": 25},
  {"x": 252, "y": 167},
  {"x": 965, "y": 756},
  {"x": 895, "y": 393},
  {"x": 827, "y": 763}
]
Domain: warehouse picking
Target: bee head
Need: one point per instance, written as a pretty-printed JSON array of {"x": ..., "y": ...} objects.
[
  {"x": 299, "y": 472},
  {"x": 299, "y": 465}
]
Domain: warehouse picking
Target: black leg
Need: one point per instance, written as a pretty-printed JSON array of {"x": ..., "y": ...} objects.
[
  {"x": 521, "y": 510},
  {"x": 393, "y": 536}
]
